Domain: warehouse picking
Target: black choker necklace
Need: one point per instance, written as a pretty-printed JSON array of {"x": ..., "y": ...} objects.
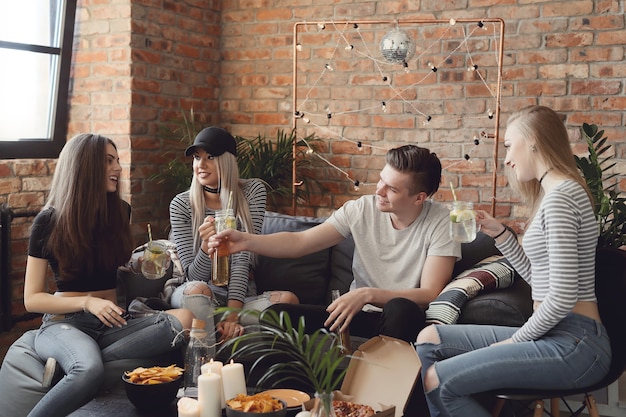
[
  {"x": 544, "y": 175},
  {"x": 214, "y": 190}
]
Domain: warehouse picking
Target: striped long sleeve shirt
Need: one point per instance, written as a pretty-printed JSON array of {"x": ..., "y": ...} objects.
[
  {"x": 557, "y": 257},
  {"x": 196, "y": 263}
]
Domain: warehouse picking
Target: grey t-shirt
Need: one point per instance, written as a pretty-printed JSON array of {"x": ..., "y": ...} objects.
[{"x": 388, "y": 258}]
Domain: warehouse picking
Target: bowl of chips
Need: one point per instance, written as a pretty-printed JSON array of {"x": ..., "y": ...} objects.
[
  {"x": 152, "y": 388},
  {"x": 255, "y": 405}
]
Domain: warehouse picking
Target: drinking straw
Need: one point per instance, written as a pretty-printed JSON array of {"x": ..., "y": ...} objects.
[
  {"x": 230, "y": 201},
  {"x": 453, "y": 193},
  {"x": 149, "y": 234}
]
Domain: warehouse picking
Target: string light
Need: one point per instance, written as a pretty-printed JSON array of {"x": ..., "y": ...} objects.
[{"x": 396, "y": 94}]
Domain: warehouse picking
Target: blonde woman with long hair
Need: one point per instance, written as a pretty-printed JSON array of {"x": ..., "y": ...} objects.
[
  {"x": 564, "y": 343},
  {"x": 192, "y": 218}
]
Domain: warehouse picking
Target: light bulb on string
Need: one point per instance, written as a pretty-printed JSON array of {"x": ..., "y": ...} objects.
[
  {"x": 299, "y": 46},
  {"x": 309, "y": 151},
  {"x": 349, "y": 47},
  {"x": 359, "y": 145},
  {"x": 452, "y": 22},
  {"x": 432, "y": 67},
  {"x": 384, "y": 107},
  {"x": 472, "y": 68},
  {"x": 476, "y": 141},
  {"x": 467, "y": 157},
  {"x": 321, "y": 26},
  {"x": 328, "y": 67},
  {"x": 490, "y": 113},
  {"x": 356, "y": 185}
]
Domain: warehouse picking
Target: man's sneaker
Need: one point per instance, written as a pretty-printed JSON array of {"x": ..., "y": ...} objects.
[{"x": 48, "y": 373}]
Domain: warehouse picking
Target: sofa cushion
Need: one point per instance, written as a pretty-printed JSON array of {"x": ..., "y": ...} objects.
[
  {"x": 491, "y": 274},
  {"x": 307, "y": 276}
]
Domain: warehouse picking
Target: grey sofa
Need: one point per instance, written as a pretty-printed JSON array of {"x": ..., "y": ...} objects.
[{"x": 311, "y": 278}]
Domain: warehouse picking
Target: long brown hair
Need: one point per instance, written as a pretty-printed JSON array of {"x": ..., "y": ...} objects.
[
  {"x": 91, "y": 227},
  {"x": 552, "y": 146}
]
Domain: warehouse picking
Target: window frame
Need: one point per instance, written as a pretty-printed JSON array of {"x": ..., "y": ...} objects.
[{"x": 59, "y": 108}]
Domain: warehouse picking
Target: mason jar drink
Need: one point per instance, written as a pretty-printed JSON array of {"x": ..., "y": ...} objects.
[
  {"x": 462, "y": 222},
  {"x": 224, "y": 219},
  {"x": 155, "y": 261}
]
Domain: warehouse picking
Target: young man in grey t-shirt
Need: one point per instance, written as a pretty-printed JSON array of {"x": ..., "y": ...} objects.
[{"x": 403, "y": 254}]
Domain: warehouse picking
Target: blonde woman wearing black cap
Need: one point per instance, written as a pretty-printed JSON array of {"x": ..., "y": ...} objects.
[{"x": 215, "y": 175}]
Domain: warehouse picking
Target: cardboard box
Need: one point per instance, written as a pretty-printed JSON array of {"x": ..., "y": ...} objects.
[{"x": 382, "y": 374}]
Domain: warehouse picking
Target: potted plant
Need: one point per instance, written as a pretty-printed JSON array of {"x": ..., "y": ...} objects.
[
  {"x": 596, "y": 168},
  {"x": 310, "y": 359}
]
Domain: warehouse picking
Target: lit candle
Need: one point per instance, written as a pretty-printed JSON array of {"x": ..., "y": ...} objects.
[
  {"x": 188, "y": 407},
  {"x": 233, "y": 380},
  {"x": 215, "y": 367},
  {"x": 209, "y": 395}
]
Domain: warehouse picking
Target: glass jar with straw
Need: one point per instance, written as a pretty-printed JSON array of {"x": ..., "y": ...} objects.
[
  {"x": 156, "y": 260},
  {"x": 462, "y": 220}
]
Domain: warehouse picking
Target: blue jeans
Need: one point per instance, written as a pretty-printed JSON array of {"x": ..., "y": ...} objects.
[
  {"x": 81, "y": 344},
  {"x": 575, "y": 353}
]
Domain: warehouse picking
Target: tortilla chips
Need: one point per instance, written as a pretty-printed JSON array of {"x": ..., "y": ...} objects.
[
  {"x": 258, "y": 403},
  {"x": 154, "y": 375}
]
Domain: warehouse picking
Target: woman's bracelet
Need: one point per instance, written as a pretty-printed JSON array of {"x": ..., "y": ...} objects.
[{"x": 500, "y": 234}]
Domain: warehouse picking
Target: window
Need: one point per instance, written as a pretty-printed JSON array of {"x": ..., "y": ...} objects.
[{"x": 35, "y": 56}]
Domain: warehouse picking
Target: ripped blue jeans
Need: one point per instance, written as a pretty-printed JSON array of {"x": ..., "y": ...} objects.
[
  {"x": 81, "y": 344},
  {"x": 575, "y": 353}
]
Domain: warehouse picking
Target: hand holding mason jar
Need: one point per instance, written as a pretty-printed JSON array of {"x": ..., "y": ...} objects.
[
  {"x": 463, "y": 227},
  {"x": 224, "y": 219}
]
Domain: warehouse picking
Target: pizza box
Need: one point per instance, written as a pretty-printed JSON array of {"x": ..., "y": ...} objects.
[{"x": 382, "y": 374}]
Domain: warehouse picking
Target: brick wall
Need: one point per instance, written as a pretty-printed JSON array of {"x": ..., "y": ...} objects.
[{"x": 139, "y": 62}]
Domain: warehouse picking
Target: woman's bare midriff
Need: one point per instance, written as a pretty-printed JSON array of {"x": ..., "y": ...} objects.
[
  {"x": 110, "y": 295},
  {"x": 584, "y": 308}
]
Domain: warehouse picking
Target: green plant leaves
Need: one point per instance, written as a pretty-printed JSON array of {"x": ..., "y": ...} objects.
[
  {"x": 609, "y": 206},
  {"x": 313, "y": 359}
]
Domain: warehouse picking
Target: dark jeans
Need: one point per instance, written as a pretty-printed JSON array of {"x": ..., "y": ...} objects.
[{"x": 400, "y": 318}]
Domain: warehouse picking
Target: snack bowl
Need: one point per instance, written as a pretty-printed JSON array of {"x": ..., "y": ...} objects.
[
  {"x": 151, "y": 396},
  {"x": 232, "y": 412}
]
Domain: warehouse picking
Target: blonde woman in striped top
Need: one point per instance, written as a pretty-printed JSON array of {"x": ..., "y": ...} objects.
[
  {"x": 215, "y": 175},
  {"x": 563, "y": 344}
]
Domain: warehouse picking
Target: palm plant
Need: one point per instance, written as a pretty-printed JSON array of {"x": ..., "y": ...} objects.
[
  {"x": 596, "y": 168},
  {"x": 272, "y": 161},
  {"x": 312, "y": 359}
]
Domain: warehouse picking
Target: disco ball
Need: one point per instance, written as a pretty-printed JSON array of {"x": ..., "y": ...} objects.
[{"x": 397, "y": 47}]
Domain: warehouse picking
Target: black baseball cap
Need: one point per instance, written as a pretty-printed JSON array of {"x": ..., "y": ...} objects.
[{"x": 215, "y": 141}]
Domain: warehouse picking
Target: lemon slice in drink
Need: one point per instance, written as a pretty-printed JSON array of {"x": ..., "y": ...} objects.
[
  {"x": 231, "y": 222},
  {"x": 458, "y": 216}
]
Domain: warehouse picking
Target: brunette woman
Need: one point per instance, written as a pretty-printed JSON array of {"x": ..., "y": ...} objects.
[{"x": 83, "y": 235}]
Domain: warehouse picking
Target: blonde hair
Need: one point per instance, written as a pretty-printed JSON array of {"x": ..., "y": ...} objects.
[
  {"x": 552, "y": 147},
  {"x": 229, "y": 180}
]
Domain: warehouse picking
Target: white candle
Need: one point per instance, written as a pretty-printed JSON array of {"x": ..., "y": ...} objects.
[
  {"x": 215, "y": 367},
  {"x": 209, "y": 395},
  {"x": 233, "y": 380},
  {"x": 188, "y": 407}
]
